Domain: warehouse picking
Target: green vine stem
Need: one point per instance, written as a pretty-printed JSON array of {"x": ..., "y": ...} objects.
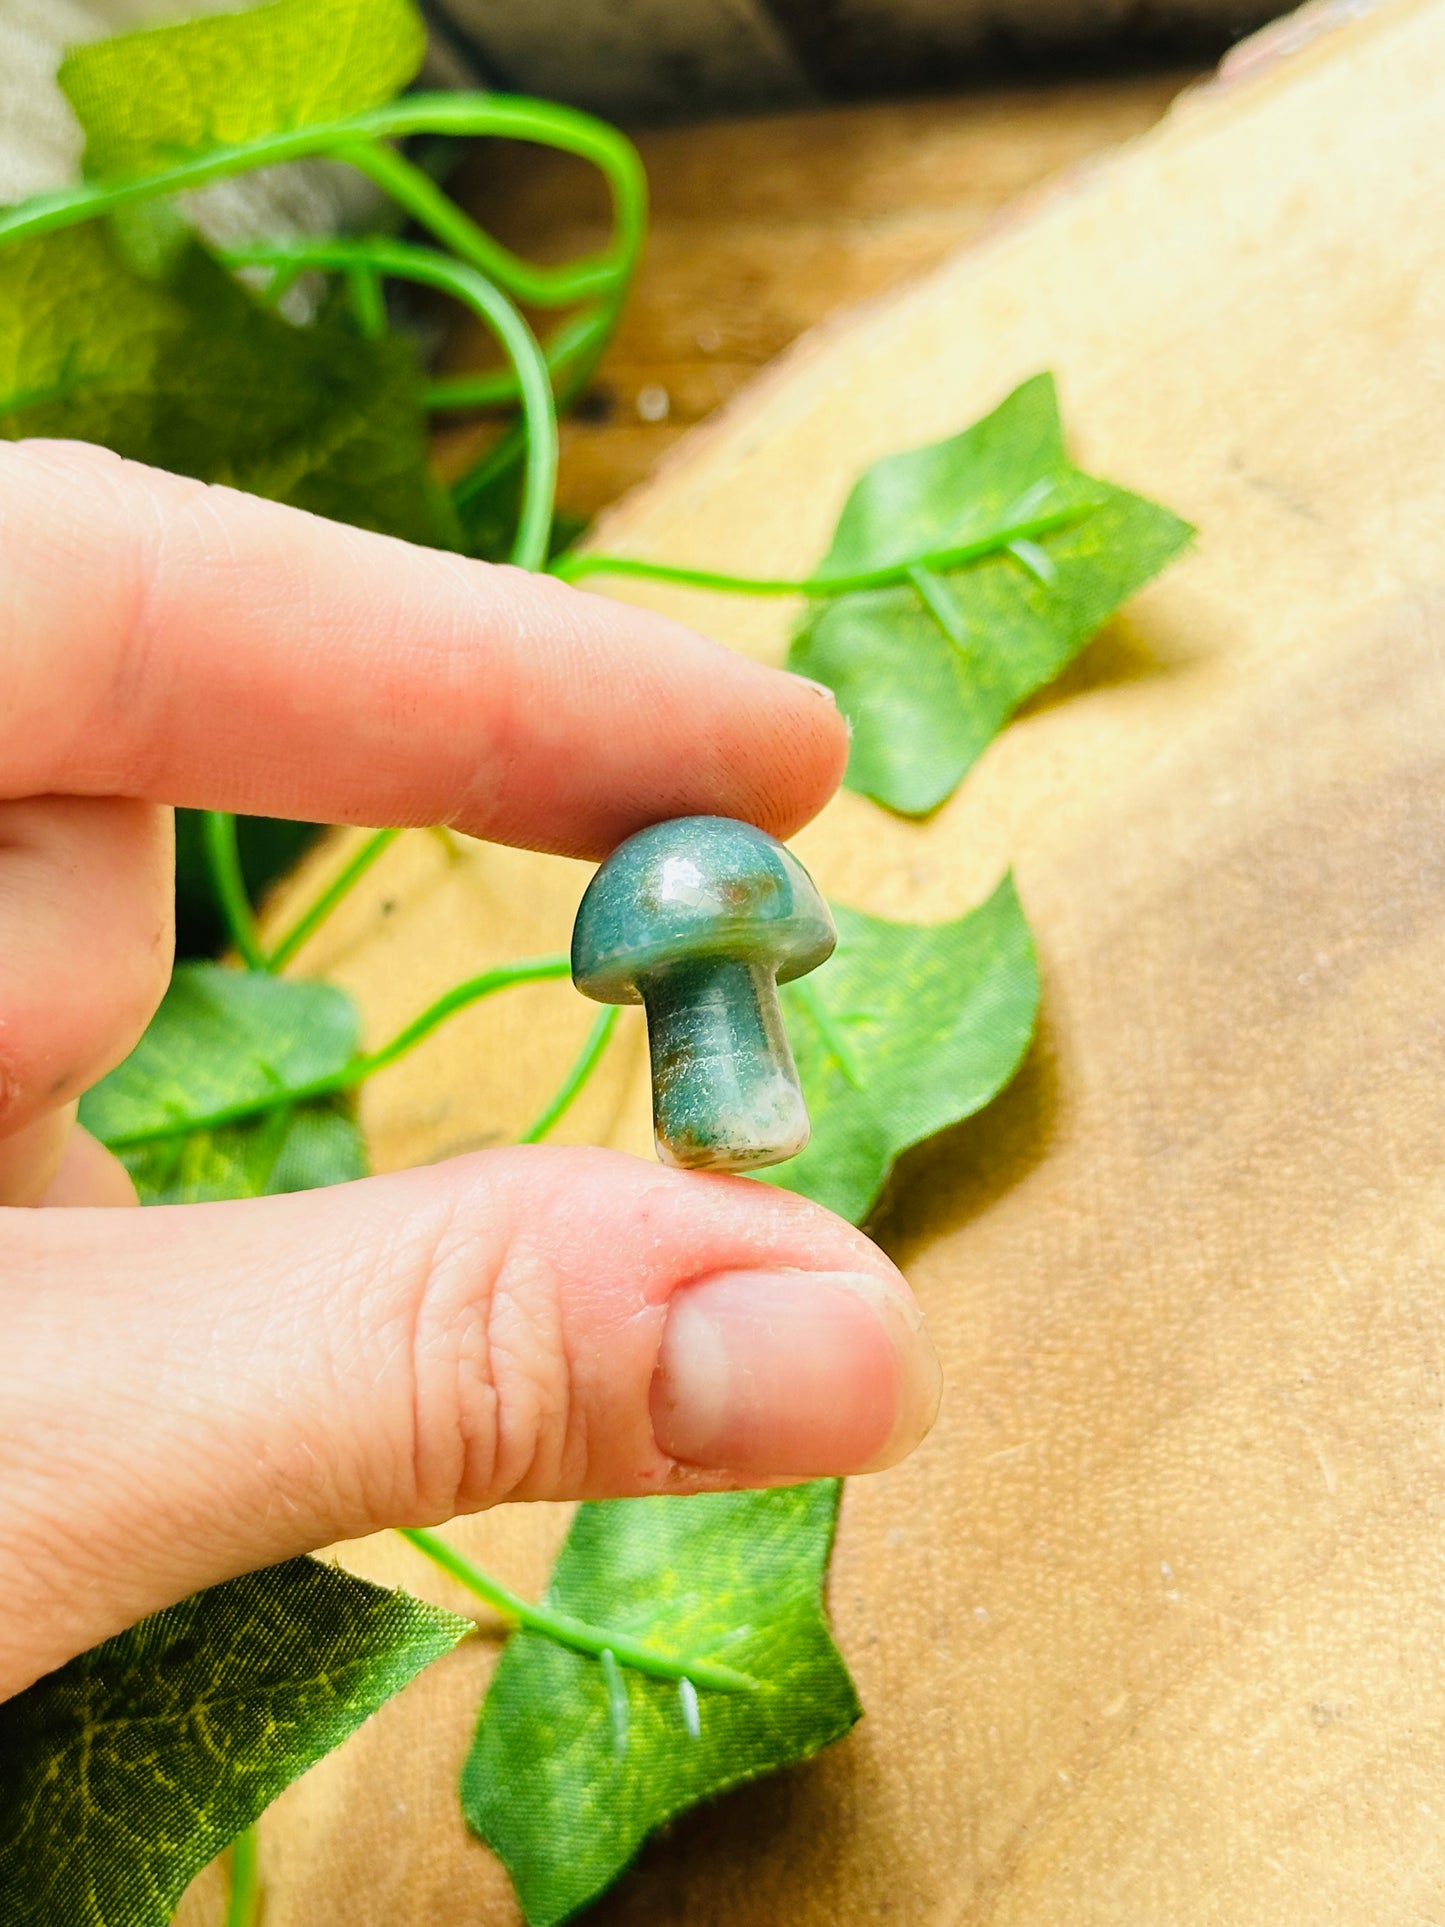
[
  {"x": 529, "y": 970},
  {"x": 551, "y": 287},
  {"x": 587, "y": 1060},
  {"x": 356, "y": 137},
  {"x": 360, "y": 139},
  {"x": 223, "y": 860},
  {"x": 578, "y": 345},
  {"x": 576, "y": 342},
  {"x": 509, "y": 447},
  {"x": 312, "y": 918},
  {"x": 245, "y": 1905},
  {"x": 576, "y": 1633},
  {"x": 367, "y": 301},
  {"x": 406, "y": 261},
  {"x": 573, "y": 567}
]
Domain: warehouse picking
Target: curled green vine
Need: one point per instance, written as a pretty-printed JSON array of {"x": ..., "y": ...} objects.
[
  {"x": 586, "y": 1062},
  {"x": 358, "y": 139},
  {"x": 376, "y": 256},
  {"x": 223, "y": 863}
]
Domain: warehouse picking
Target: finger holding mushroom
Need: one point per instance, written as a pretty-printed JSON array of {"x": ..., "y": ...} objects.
[{"x": 699, "y": 920}]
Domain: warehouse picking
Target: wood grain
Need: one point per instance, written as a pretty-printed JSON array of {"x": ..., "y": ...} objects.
[{"x": 1152, "y": 1631}]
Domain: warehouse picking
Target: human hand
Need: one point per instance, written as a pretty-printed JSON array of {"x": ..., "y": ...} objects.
[{"x": 189, "y": 1393}]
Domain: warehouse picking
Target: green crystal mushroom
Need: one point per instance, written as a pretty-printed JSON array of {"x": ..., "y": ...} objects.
[{"x": 700, "y": 920}]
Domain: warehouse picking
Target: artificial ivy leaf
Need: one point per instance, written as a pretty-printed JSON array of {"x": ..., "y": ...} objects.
[
  {"x": 928, "y": 672},
  {"x": 299, "y": 1149},
  {"x": 908, "y": 1028},
  {"x": 132, "y": 1767},
  {"x": 574, "y": 1763},
  {"x": 151, "y": 99},
  {"x": 187, "y": 372},
  {"x": 223, "y": 1039}
]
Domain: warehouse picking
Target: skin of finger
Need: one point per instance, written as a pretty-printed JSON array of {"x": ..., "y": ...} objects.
[
  {"x": 86, "y": 941},
  {"x": 190, "y": 644},
  {"x": 190, "y": 1393},
  {"x": 86, "y": 1175},
  {"x": 32, "y": 1159}
]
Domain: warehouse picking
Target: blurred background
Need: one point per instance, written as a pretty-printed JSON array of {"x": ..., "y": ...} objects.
[
  {"x": 803, "y": 155},
  {"x": 672, "y": 59}
]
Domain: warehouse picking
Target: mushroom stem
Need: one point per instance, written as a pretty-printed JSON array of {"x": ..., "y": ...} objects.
[{"x": 725, "y": 1093}]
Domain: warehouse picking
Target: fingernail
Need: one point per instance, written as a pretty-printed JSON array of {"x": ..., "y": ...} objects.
[
  {"x": 793, "y": 1374},
  {"x": 822, "y": 688}
]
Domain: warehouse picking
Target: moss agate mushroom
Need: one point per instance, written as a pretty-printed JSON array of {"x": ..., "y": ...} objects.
[{"x": 699, "y": 920}]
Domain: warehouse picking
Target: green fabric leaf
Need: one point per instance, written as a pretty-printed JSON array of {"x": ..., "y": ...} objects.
[
  {"x": 220, "y": 1040},
  {"x": 908, "y": 1028},
  {"x": 223, "y": 1038},
  {"x": 300, "y": 1149},
  {"x": 126, "y": 1771},
  {"x": 151, "y": 99},
  {"x": 187, "y": 372},
  {"x": 925, "y": 704},
  {"x": 567, "y": 1774}
]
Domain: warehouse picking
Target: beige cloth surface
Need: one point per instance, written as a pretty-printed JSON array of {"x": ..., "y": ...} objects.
[{"x": 1152, "y": 1631}]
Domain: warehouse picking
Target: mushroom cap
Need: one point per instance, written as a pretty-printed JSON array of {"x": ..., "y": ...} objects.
[{"x": 697, "y": 889}]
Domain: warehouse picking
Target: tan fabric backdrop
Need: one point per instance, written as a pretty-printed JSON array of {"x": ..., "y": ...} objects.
[{"x": 1153, "y": 1629}]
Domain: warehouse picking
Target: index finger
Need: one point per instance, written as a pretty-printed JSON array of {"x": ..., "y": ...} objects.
[{"x": 188, "y": 644}]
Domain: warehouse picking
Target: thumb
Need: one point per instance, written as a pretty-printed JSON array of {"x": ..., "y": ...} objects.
[{"x": 190, "y": 1393}]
